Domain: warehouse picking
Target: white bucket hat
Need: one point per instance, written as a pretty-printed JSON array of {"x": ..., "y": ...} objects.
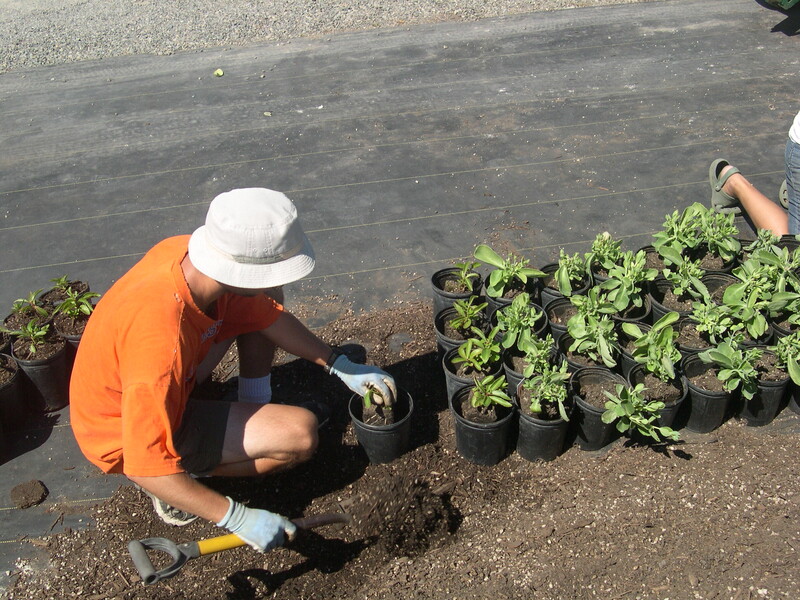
[{"x": 252, "y": 239}]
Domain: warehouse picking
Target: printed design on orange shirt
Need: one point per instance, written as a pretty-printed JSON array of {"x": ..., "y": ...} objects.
[{"x": 211, "y": 331}]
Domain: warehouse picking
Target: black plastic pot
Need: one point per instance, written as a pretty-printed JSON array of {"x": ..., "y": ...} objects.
[
  {"x": 12, "y": 408},
  {"x": 443, "y": 299},
  {"x": 557, "y": 308},
  {"x": 383, "y": 443},
  {"x": 592, "y": 433},
  {"x": 481, "y": 443},
  {"x": 794, "y": 397},
  {"x": 443, "y": 342},
  {"x": 788, "y": 241},
  {"x": 550, "y": 293},
  {"x": 684, "y": 348},
  {"x": 49, "y": 379},
  {"x": 707, "y": 409},
  {"x": 778, "y": 330},
  {"x": 670, "y": 410},
  {"x": 762, "y": 408},
  {"x": 454, "y": 382},
  {"x": 540, "y": 439}
]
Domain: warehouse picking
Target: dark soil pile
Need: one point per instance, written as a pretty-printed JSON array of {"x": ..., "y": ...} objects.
[{"x": 715, "y": 516}]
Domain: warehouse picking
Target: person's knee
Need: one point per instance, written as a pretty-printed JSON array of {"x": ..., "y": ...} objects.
[{"x": 305, "y": 437}]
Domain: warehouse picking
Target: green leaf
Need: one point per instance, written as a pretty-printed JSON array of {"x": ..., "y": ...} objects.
[{"x": 485, "y": 254}]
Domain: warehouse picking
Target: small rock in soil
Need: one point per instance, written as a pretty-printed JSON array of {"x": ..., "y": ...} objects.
[{"x": 29, "y": 494}]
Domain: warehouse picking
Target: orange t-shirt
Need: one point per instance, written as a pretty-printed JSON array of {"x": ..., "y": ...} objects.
[{"x": 136, "y": 362}]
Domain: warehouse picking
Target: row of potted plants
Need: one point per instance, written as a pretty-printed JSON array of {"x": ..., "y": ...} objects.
[
  {"x": 615, "y": 319},
  {"x": 37, "y": 343}
]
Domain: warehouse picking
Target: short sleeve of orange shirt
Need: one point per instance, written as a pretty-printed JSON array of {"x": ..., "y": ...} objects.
[{"x": 137, "y": 358}]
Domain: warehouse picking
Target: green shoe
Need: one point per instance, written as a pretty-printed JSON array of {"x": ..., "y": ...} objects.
[
  {"x": 720, "y": 201},
  {"x": 783, "y": 195}
]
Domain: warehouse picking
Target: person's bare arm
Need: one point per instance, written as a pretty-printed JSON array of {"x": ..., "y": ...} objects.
[{"x": 289, "y": 333}]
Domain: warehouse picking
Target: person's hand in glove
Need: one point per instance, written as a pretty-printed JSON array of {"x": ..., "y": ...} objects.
[
  {"x": 360, "y": 378},
  {"x": 261, "y": 529}
]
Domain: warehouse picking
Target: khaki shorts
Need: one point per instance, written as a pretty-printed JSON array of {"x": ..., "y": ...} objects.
[{"x": 201, "y": 435}]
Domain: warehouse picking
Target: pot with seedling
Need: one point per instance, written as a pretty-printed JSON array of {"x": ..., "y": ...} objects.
[
  {"x": 544, "y": 407},
  {"x": 531, "y": 358},
  {"x": 787, "y": 350},
  {"x": 62, "y": 286},
  {"x": 72, "y": 313},
  {"x": 382, "y": 431},
  {"x": 458, "y": 282},
  {"x": 519, "y": 322},
  {"x": 756, "y": 374},
  {"x": 657, "y": 355},
  {"x": 476, "y": 358},
  {"x": 603, "y": 255},
  {"x": 679, "y": 233},
  {"x": 681, "y": 285},
  {"x": 707, "y": 325},
  {"x": 570, "y": 275},
  {"x": 558, "y": 313},
  {"x": 510, "y": 276},
  {"x": 591, "y": 337},
  {"x": 24, "y": 310},
  {"x": 719, "y": 246},
  {"x": 633, "y": 414},
  {"x": 42, "y": 356},
  {"x": 587, "y": 387},
  {"x": 626, "y": 287},
  {"x": 483, "y": 415},
  {"x": 455, "y": 324},
  {"x": 708, "y": 400}
]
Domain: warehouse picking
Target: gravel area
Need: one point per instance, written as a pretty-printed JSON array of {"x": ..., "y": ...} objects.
[{"x": 49, "y": 32}]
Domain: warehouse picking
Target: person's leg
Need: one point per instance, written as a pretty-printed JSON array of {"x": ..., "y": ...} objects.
[
  {"x": 266, "y": 439},
  {"x": 764, "y": 213},
  {"x": 792, "y": 156}
]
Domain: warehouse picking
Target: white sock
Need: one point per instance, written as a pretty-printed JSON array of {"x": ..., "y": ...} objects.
[{"x": 255, "y": 389}]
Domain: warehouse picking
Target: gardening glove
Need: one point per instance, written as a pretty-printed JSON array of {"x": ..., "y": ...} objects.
[
  {"x": 360, "y": 378},
  {"x": 261, "y": 529}
]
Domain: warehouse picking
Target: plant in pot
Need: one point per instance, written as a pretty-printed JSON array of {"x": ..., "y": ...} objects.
[
  {"x": 755, "y": 373},
  {"x": 41, "y": 354},
  {"x": 61, "y": 286},
  {"x": 603, "y": 255},
  {"x": 510, "y": 276},
  {"x": 707, "y": 325},
  {"x": 455, "y": 324},
  {"x": 787, "y": 350},
  {"x": 72, "y": 314},
  {"x": 588, "y": 387},
  {"x": 458, "y": 282},
  {"x": 544, "y": 413},
  {"x": 519, "y": 321},
  {"x": 532, "y": 357},
  {"x": 627, "y": 283},
  {"x": 24, "y": 310},
  {"x": 680, "y": 287},
  {"x": 482, "y": 414},
  {"x": 679, "y": 233},
  {"x": 765, "y": 240},
  {"x": 635, "y": 415},
  {"x": 719, "y": 246},
  {"x": 657, "y": 354},
  {"x": 382, "y": 431},
  {"x": 476, "y": 358},
  {"x": 590, "y": 333},
  {"x": 569, "y": 275}
]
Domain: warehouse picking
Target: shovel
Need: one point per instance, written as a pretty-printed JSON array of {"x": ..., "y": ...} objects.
[{"x": 182, "y": 553}]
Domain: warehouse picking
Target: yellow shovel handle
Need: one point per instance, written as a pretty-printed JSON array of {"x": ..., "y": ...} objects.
[{"x": 219, "y": 543}]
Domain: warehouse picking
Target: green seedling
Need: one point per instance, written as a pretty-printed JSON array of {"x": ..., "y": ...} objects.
[
  {"x": 736, "y": 367},
  {"x": 465, "y": 273},
  {"x": 469, "y": 313},
  {"x": 32, "y": 332},
  {"x": 631, "y": 412},
  {"x": 30, "y": 306},
  {"x": 627, "y": 280},
  {"x": 536, "y": 354},
  {"x": 605, "y": 251},
  {"x": 506, "y": 271},
  {"x": 517, "y": 321},
  {"x": 76, "y": 305},
  {"x": 549, "y": 387},
  {"x": 655, "y": 348},
  {"x": 787, "y": 350},
  {"x": 571, "y": 269},
  {"x": 488, "y": 392}
]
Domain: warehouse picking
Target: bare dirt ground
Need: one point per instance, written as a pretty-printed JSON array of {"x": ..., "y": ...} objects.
[{"x": 713, "y": 516}]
